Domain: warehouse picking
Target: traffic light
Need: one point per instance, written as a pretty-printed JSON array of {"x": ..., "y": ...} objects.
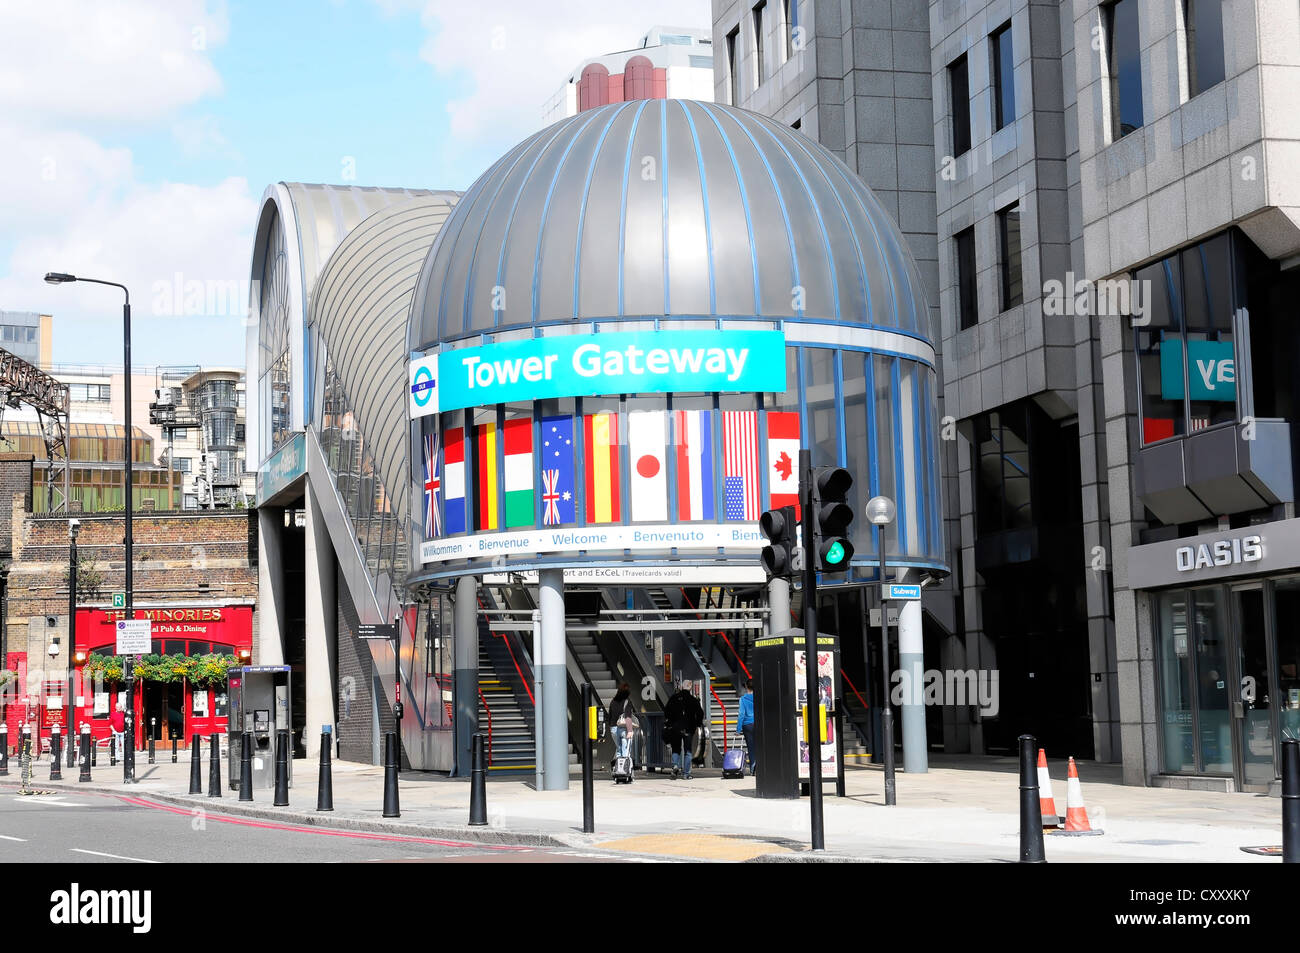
[
  {"x": 782, "y": 531},
  {"x": 831, "y": 519}
]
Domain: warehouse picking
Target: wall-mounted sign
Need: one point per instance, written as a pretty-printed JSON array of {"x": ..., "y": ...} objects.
[
  {"x": 649, "y": 537},
  {"x": 424, "y": 386},
  {"x": 1210, "y": 363},
  {"x": 640, "y": 575},
  {"x": 1263, "y": 549},
  {"x": 288, "y": 463},
  {"x": 1222, "y": 552},
  {"x": 133, "y": 636},
  {"x": 579, "y": 365}
]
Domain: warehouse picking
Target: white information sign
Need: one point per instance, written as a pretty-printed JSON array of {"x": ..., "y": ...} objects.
[
  {"x": 134, "y": 637},
  {"x": 688, "y": 536}
]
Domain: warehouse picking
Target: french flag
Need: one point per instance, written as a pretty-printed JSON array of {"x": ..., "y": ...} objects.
[
  {"x": 453, "y": 461},
  {"x": 693, "y": 436}
]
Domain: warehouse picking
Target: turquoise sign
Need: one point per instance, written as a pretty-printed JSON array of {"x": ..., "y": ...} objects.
[
  {"x": 579, "y": 365},
  {"x": 1212, "y": 370}
]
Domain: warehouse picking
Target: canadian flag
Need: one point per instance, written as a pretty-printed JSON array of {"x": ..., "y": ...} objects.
[{"x": 783, "y": 458}]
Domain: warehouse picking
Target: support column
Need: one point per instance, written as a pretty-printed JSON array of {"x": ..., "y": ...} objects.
[
  {"x": 778, "y": 604},
  {"x": 555, "y": 742},
  {"x": 270, "y": 587},
  {"x": 465, "y": 666},
  {"x": 320, "y": 601},
  {"x": 911, "y": 660}
]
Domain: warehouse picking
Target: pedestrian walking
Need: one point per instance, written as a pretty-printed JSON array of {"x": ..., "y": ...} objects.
[
  {"x": 745, "y": 722},
  {"x": 117, "y": 722},
  {"x": 620, "y": 710},
  {"x": 683, "y": 716}
]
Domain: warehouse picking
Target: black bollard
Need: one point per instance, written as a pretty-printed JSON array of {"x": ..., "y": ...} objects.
[
  {"x": 325, "y": 782},
  {"x": 56, "y": 754},
  {"x": 214, "y": 766},
  {"x": 1291, "y": 801},
  {"x": 87, "y": 749},
  {"x": 72, "y": 751},
  {"x": 588, "y": 774},
  {"x": 152, "y": 730},
  {"x": 196, "y": 765},
  {"x": 94, "y": 755},
  {"x": 281, "y": 768},
  {"x": 4, "y": 751},
  {"x": 477, "y": 784},
  {"x": 1031, "y": 818},
  {"x": 173, "y": 750},
  {"x": 245, "y": 766},
  {"x": 391, "y": 806},
  {"x": 112, "y": 750}
]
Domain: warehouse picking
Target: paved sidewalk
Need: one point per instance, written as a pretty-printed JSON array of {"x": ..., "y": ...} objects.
[{"x": 963, "y": 809}]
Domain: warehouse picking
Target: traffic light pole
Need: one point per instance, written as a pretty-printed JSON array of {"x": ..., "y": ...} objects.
[{"x": 812, "y": 721}]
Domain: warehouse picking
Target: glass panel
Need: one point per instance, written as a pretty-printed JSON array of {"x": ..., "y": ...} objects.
[
  {"x": 823, "y": 411},
  {"x": 1209, "y": 630},
  {"x": 1160, "y": 353},
  {"x": 857, "y": 457},
  {"x": 1004, "y": 84},
  {"x": 1009, "y": 238},
  {"x": 886, "y": 439},
  {"x": 1286, "y": 599},
  {"x": 959, "y": 84},
  {"x": 1125, "y": 67},
  {"x": 1175, "y": 678},
  {"x": 1207, "y": 300},
  {"x": 964, "y": 249},
  {"x": 1256, "y": 724},
  {"x": 1204, "y": 20}
]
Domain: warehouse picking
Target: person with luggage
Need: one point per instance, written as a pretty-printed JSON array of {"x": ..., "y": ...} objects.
[
  {"x": 745, "y": 722},
  {"x": 619, "y": 710},
  {"x": 683, "y": 716}
]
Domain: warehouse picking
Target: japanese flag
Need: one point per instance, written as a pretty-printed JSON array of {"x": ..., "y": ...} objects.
[{"x": 648, "y": 454}]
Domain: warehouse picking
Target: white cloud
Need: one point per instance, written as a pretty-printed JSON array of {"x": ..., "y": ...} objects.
[
  {"x": 106, "y": 60},
  {"x": 202, "y": 137},
  {"x": 516, "y": 53}
]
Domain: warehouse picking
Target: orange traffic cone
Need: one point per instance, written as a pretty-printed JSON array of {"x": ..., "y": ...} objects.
[
  {"x": 1046, "y": 802},
  {"x": 1076, "y": 815}
]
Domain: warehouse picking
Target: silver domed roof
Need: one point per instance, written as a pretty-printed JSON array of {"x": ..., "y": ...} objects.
[{"x": 666, "y": 208}]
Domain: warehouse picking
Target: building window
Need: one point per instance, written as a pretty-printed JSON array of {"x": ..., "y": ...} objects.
[
  {"x": 790, "y": 26},
  {"x": 1186, "y": 362},
  {"x": 1004, "y": 82},
  {"x": 1003, "y": 497},
  {"x": 88, "y": 392},
  {"x": 733, "y": 74},
  {"x": 968, "y": 310},
  {"x": 1204, "y": 21},
  {"x": 1009, "y": 250},
  {"x": 183, "y": 464},
  {"x": 1124, "y": 66},
  {"x": 959, "y": 88},
  {"x": 180, "y": 433},
  {"x": 758, "y": 43}
]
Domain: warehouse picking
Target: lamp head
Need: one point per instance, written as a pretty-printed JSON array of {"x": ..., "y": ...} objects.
[
  {"x": 59, "y": 277},
  {"x": 880, "y": 511}
]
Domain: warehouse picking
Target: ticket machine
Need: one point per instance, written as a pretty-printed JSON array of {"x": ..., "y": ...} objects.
[{"x": 259, "y": 704}]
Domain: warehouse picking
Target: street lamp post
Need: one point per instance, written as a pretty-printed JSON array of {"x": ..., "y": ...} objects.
[
  {"x": 880, "y": 513},
  {"x": 70, "y": 706},
  {"x": 128, "y": 753}
]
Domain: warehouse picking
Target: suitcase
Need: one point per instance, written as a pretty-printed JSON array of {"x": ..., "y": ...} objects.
[
  {"x": 622, "y": 770},
  {"x": 733, "y": 763}
]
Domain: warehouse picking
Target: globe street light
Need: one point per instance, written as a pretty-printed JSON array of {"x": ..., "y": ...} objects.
[
  {"x": 880, "y": 513},
  {"x": 128, "y": 747}
]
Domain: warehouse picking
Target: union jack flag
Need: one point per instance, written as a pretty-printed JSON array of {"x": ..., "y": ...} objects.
[
  {"x": 550, "y": 498},
  {"x": 432, "y": 484}
]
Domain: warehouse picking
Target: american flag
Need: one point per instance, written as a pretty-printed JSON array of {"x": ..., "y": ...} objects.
[
  {"x": 740, "y": 462},
  {"x": 432, "y": 484}
]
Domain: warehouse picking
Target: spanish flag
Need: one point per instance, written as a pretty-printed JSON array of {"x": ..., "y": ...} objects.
[{"x": 602, "y": 469}]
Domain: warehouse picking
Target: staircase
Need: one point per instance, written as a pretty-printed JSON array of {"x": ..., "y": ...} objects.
[
  {"x": 857, "y": 734},
  {"x": 731, "y": 701},
  {"x": 587, "y": 651},
  {"x": 510, "y": 746}
]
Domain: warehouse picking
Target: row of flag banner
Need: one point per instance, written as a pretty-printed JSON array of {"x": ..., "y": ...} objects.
[{"x": 498, "y": 462}]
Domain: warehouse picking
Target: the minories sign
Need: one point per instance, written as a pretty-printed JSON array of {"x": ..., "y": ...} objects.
[{"x": 580, "y": 365}]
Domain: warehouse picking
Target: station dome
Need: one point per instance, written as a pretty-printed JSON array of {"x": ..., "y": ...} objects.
[{"x": 666, "y": 209}]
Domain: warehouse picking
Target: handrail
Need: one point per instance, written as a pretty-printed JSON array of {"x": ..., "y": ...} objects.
[
  {"x": 523, "y": 681},
  {"x": 845, "y": 675},
  {"x": 488, "y": 709},
  {"x": 714, "y": 693},
  {"x": 741, "y": 661}
]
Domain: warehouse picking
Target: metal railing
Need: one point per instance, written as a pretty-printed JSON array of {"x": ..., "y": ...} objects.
[
  {"x": 487, "y": 708},
  {"x": 724, "y": 719},
  {"x": 735, "y": 654}
]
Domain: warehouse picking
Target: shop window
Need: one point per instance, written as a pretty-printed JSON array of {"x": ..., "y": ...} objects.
[
  {"x": 1004, "y": 83},
  {"x": 1124, "y": 66}
]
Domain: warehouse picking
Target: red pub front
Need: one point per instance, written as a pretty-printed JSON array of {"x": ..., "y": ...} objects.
[{"x": 169, "y": 709}]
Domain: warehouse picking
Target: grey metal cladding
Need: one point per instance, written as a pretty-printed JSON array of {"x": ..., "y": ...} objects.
[
  {"x": 362, "y": 304},
  {"x": 666, "y": 207}
]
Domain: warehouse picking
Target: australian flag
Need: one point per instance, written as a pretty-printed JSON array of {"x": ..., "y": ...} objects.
[{"x": 558, "y": 504}]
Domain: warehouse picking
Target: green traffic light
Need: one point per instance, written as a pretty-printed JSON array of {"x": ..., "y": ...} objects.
[{"x": 835, "y": 554}]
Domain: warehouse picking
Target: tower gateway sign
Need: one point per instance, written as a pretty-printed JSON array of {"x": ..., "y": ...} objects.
[{"x": 579, "y": 365}]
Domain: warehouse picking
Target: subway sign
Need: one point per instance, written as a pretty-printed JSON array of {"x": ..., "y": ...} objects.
[{"x": 583, "y": 365}]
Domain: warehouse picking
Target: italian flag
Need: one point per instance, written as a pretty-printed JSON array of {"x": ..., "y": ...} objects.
[{"x": 518, "y": 473}]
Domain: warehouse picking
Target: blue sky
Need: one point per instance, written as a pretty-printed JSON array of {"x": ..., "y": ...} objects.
[{"x": 142, "y": 133}]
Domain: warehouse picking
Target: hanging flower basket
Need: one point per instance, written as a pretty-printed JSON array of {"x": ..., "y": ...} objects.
[{"x": 202, "y": 671}]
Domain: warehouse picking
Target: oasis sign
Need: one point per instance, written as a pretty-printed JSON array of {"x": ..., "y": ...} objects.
[
  {"x": 582, "y": 365},
  {"x": 1223, "y": 552}
]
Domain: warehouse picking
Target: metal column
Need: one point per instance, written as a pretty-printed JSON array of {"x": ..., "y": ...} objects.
[
  {"x": 465, "y": 664},
  {"x": 555, "y": 742},
  {"x": 911, "y": 660},
  {"x": 778, "y": 605}
]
